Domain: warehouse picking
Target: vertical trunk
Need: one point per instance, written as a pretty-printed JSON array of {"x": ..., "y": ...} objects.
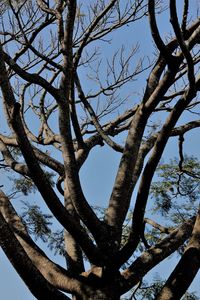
[{"x": 73, "y": 250}]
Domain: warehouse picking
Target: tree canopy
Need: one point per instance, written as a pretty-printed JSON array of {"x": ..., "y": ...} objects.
[{"x": 76, "y": 76}]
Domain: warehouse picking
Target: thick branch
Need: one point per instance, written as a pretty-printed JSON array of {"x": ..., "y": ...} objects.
[
  {"x": 157, "y": 226},
  {"x": 155, "y": 33},
  {"x": 37, "y": 284},
  {"x": 186, "y": 270},
  {"x": 153, "y": 256},
  {"x": 183, "y": 46},
  {"x": 54, "y": 274},
  {"x": 123, "y": 187},
  {"x": 36, "y": 172},
  {"x": 77, "y": 197},
  {"x": 143, "y": 191}
]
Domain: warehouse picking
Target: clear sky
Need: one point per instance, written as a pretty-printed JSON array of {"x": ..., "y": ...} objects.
[{"x": 97, "y": 187}]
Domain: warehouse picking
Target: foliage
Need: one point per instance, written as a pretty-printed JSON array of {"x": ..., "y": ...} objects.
[
  {"x": 25, "y": 185},
  {"x": 177, "y": 191},
  {"x": 37, "y": 223},
  {"x": 148, "y": 292},
  {"x": 56, "y": 243}
]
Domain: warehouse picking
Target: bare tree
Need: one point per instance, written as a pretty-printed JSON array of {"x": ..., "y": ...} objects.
[{"x": 60, "y": 100}]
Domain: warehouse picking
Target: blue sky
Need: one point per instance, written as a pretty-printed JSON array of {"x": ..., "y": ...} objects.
[{"x": 97, "y": 187}]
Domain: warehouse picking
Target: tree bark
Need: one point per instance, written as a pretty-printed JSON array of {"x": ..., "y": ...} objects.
[
  {"x": 186, "y": 270},
  {"x": 34, "y": 280}
]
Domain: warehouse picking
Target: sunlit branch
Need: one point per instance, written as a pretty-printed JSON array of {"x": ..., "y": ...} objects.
[
  {"x": 28, "y": 272},
  {"x": 156, "y": 254},
  {"x": 179, "y": 280},
  {"x": 53, "y": 273}
]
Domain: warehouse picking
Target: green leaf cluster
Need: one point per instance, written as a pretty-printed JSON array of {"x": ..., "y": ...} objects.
[
  {"x": 25, "y": 185},
  {"x": 37, "y": 223},
  {"x": 146, "y": 291},
  {"x": 175, "y": 192}
]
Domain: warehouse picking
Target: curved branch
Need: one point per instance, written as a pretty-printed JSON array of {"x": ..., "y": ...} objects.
[
  {"x": 183, "y": 46},
  {"x": 123, "y": 188},
  {"x": 37, "y": 174},
  {"x": 32, "y": 78},
  {"x": 37, "y": 284},
  {"x": 153, "y": 256},
  {"x": 44, "y": 7},
  {"x": 180, "y": 279},
  {"x": 53, "y": 273},
  {"x": 147, "y": 175},
  {"x": 77, "y": 196},
  {"x": 11, "y": 162},
  {"x": 156, "y": 36}
]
